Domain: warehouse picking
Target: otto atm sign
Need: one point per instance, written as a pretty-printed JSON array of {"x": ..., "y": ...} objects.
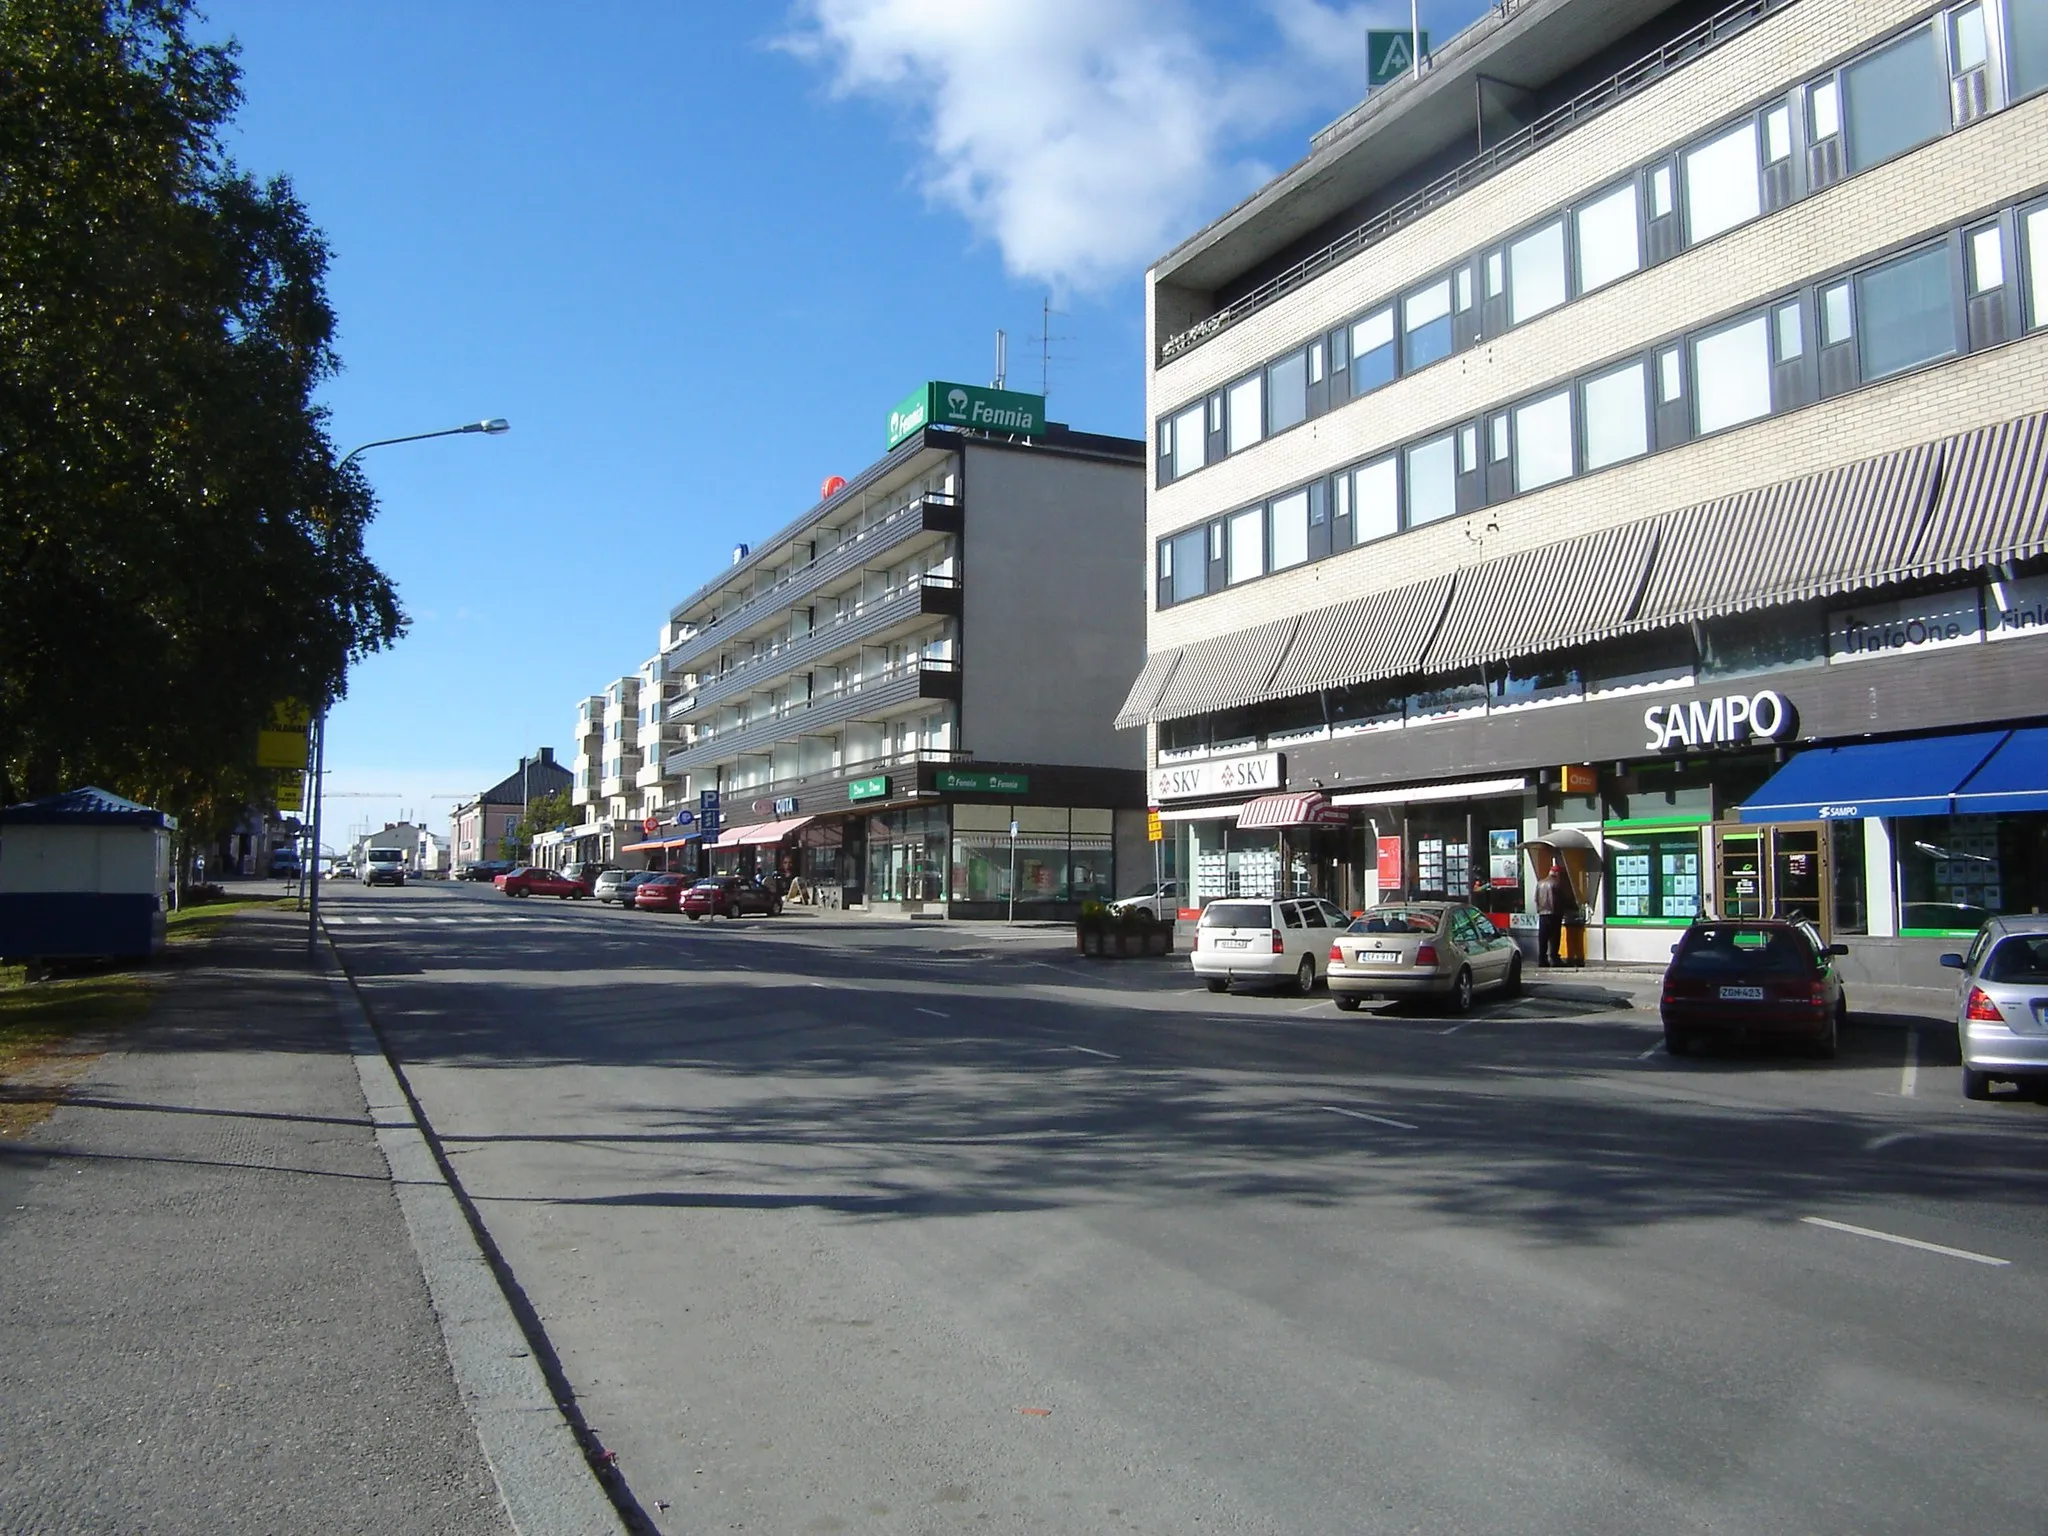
[{"x": 972, "y": 406}]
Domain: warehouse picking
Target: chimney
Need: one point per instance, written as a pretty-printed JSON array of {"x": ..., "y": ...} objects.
[{"x": 547, "y": 754}]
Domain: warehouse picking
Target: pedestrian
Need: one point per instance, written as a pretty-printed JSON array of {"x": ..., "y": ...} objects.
[{"x": 1556, "y": 904}]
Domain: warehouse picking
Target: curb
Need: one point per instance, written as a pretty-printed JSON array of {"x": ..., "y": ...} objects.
[{"x": 544, "y": 1479}]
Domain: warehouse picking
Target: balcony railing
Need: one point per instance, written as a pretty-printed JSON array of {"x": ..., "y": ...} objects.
[
  {"x": 928, "y": 596},
  {"x": 1645, "y": 72},
  {"x": 929, "y": 514},
  {"x": 859, "y": 769},
  {"x": 919, "y": 678}
]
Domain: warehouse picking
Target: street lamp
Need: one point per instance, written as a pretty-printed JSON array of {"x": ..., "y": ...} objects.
[{"x": 492, "y": 426}]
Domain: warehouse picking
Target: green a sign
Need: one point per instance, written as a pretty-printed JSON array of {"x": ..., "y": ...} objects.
[
  {"x": 950, "y": 779},
  {"x": 1390, "y": 55},
  {"x": 971, "y": 406},
  {"x": 876, "y": 788}
]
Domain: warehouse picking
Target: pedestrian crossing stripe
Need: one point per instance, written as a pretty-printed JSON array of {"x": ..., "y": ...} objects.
[{"x": 350, "y": 919}]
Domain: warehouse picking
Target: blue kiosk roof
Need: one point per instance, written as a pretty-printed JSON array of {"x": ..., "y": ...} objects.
[{"x": 84, "y": 807}]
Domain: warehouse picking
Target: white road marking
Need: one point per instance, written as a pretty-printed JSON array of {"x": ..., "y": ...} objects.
[
  {"x": 1906, "y": 1242},
  {"x": 1310, "y": 1008},
  {"x": 1359, "y": 1114},
  {"x": 1090, "y": 1050},
  {"x": 1879, "y": 1143},
  {"x": 935, "y": 1013},
  {"x": 1653, "y": 1050},
  {"x": 1454, "y": 1028},
  {"x": 1909, "y": 1076}
]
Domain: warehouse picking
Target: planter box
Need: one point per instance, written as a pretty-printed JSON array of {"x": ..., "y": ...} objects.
[{"x": 1122, "y": 943}]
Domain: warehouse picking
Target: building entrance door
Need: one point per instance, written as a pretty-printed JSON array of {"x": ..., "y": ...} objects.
[{"x": 1774, "y": 871}]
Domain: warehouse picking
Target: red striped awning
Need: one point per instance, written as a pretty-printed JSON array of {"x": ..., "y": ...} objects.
[{"x": 1304, "y": 809}]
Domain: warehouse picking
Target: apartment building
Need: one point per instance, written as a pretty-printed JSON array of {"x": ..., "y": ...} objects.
[
  {"x": 479, "y": 830},
  {"x": 1644, "y": 463},
  {"x": 904, "y": 695}
]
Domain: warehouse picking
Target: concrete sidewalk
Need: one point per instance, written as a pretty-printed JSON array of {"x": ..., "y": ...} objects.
[{"x": 212, "y": 1317}]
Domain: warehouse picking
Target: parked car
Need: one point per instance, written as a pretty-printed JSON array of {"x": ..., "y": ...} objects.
[
  {"x": 585, "y": 872},
  {"x": 1436, "y": 949},
  {"x": 1756, "y": 979},
  {"x": 284, "y": 863},
  {"x": 660, "y": 893},
  {"x": 530, "y": 880},
  {"x": 343, "y": 869},
  {"x": 1258, "y": 939},
  {"x": 1161, "y": 900},
  {"x": 2002, "y": 1005},
  {"x": 618, "y": 884},
  {"x": 485, "y": 869},
  {"x": 729, "y": 896}
]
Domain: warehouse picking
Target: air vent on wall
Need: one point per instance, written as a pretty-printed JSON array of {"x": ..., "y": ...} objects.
[
  {"x": 1824, "y": 163},
  {"x": 1970, "y": 95}
]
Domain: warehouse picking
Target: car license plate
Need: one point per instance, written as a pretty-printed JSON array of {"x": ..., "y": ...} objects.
[
  {"x": 1233, "y": 943},
  {"x": 1374, "y": 957},
  {"x": 1742, "y": 994}
]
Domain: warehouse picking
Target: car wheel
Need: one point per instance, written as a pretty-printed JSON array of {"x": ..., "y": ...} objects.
[
  {"x": 1461, "y": 991},
  {"x": 775, "y": 909},
  {"x": 1305, "y": 978},
  {"x": 1345, "y": 1002},
  {"x": 1976, "y": 1085},
  {"x": 1829, "y": 1045},
  {"x": 1676, "y": 1042},
  {"x": 1218, "y": 983},
  {"x": 692, "y": 916},
  {"x": 1512, "y": 987}
]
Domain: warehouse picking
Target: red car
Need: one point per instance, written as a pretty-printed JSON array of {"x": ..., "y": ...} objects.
[
  {"x": 728, "y": 896},
  {"x": 1754, "y": 979},
  {"x": 528, "y": 880},
  {"x": 663, "y": 893}
]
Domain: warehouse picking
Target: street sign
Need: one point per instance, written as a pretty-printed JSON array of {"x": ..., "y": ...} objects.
[
  {"x": 291, "y": 793},
  {"x": 650, "y": 825},
  {"x": 973, "y": 406},
  {"x": 708, "y": 818},
  {"x": 1390, "y": 55},
  {"x": 1155, "y": 829}
]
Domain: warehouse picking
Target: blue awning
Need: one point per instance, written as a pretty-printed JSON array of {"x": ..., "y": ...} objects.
[
  {"x": 2014, "y": 778},
  {"x": 1873, "y": 778}
]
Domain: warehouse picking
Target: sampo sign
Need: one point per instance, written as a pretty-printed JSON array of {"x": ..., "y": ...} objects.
[{"x": 1727, "y": 721}]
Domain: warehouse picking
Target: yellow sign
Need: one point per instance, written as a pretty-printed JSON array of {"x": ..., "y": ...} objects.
[
  {"x": 1154, "y": 829},
  {"x": 281, "y": 749},
  {"x": 291, "y": 794},
  {"x": 290, "y": 715}
]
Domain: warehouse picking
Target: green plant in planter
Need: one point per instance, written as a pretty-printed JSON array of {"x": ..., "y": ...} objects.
[{"x": 1095, "y": 918}]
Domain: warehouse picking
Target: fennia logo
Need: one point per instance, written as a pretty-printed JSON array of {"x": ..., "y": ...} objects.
[{"x": 970, "y": 407}]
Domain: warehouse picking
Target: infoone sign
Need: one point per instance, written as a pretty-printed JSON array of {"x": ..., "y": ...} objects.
[{"x": 972, "y": 406}]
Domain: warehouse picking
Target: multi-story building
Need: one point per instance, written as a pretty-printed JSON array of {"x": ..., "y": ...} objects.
[
  {"x": 1646, "y": 460},
  {"x": 905, "y": 694},
  {"x": 479, "y": 830}
]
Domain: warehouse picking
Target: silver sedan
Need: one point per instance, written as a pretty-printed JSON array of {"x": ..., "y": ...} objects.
[
  {"x": 2002, "y": 1005},
  {"x": 1437, "y": 949}
]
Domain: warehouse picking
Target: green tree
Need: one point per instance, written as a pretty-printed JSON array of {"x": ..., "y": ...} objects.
[
  {"x": 543, "y": 814},
  {"x": 178, "y": 550}
]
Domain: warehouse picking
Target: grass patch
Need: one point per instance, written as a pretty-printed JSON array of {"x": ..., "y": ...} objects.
[{"x": 195, "y": 925}]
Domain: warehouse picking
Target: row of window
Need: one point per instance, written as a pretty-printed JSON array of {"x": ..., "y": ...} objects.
[
  {"x": 1891, "y": 99},
  {"x": 1958, "y": 292}
]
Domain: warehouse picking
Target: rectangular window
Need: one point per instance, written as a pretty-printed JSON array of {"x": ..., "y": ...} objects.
[
  {"x": 1468, "y": 449},
  {"x": 1836, "y": 324},
  {"x": 1987, "y": 259},
  {"x": 1968, "y": 46},
  {"x": 1610, "y": 246},
  {"x": 1790, "y": 331},
  {"x": 1905, "y": 313},
  {"x": 1823, "y": 109},
  {"x": 1496, "y": 274},
  {"x": 2026, "y": 44},
  {"x": 1898, "y": 97},
  {"x": 1215, "y": 413},
  {"x": 1340, "y": 350},
  {"x": 1432, "y": 480},
  {"x": 1660, "y": 192},
  {"x": 1287, "y": 391},
  {"x": 1315, "y": 362},
  {"x": 1498, "y": 440},
  {"x": 1247, "y": 538},
  {"x": 1536, "y": 281},
  {"x": 2035, "y": 227},
  {"x": 1670, "y": 376},
  {"x": 1372, "y": 352},
  {"x": 1722, "y": 183},
  {"x": 1777, "y": 135},
  {"x": 1188, "y": 557},
  {"x": 1376, "y": 501},
  {"x": 1247, "y": 412},
  {"x": 1731, "y": 372},
  {"x": 1543, "y": 441},
  {"x": 1290, "y": 530},
  {"x": 1426, "y": 324},
  {"x": 1190, "y": 440},
  {"x": 1617, "y": 422},
  {"x": 1464, "y": 281}
]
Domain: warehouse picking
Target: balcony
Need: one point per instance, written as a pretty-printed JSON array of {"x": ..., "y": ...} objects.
[
  {"x": 931, "y": 515},
  {"x": 878, "y": 621},
  {"x": 871, "y": 696},
  {"x": 866, "y": 767}
]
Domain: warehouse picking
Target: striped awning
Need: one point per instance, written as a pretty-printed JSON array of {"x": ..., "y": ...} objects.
[
  {"x": 1361, "y": 641},
  {"x": 1302, "y": 809},
  {"x": 1152, "y": 680},
  {"x": 1993, "y": 501},
  {"x": 1540, "y": 599},
  {"x": 1226, "y": 671},
  {"x": 1841, "y": 530},
  {"x": 762, "y": 832}
]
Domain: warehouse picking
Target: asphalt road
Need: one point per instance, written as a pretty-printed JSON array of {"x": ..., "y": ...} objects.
[{"x": 884, "y": 1227}]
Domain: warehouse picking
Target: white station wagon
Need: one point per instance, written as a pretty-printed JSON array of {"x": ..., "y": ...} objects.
[{"x": 1283, "y": 941}]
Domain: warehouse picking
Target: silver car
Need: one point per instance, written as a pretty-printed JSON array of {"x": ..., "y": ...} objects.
[
  {"x": 1437, "y": 949},
  {"x": 1161, "y": 900},
  {"x": 617, "y": 885},
  {"x": 2002, "y": 1005}
]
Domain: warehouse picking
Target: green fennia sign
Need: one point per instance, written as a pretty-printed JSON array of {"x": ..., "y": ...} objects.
[
  {"x": 974, "y": 407},
  {"x": 951, "y": 780}
]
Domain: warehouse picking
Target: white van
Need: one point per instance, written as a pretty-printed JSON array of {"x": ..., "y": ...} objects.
[{"x": 384, "y": 866}]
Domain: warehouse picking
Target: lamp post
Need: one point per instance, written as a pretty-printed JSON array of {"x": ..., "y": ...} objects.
[{"x": 493, "y": 426}]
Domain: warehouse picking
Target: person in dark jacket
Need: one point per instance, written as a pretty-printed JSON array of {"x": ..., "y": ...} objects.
[{"x": 1557, "y": 903}]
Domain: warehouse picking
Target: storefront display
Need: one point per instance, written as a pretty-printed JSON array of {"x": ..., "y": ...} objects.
[
  {"x": 1956, "y": 871},
  {"x": 1654, "y": 873}
]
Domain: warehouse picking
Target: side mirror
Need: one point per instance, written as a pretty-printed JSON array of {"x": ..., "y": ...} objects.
[
  {"x": 1953, "y": 962},
  {"x": 1838, "y": 949},
  {"x": 1674, "y": 949}
]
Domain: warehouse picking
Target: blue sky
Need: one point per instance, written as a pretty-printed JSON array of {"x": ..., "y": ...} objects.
[{"x": 694, "y": 252}]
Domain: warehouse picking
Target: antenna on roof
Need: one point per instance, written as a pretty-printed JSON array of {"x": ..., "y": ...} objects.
[
  {"x": 1002, "y": 360},
  {"x": 1045, "y": 341}
]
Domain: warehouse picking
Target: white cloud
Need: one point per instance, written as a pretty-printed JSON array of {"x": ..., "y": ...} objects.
[{"x": 1086, "y": 137}]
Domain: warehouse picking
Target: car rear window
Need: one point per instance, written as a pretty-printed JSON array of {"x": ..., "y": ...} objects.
[
  {"x": 2019, "y": 959},
  {"x": 1398, "y": 920},
  {"x": 1237, "y": 914},
  {"x": 1743, "y": 951}
]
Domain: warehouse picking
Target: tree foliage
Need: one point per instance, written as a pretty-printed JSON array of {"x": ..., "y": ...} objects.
[
  {"x": 543, "y": 813},
  {"x": 178, "y": 549}
]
